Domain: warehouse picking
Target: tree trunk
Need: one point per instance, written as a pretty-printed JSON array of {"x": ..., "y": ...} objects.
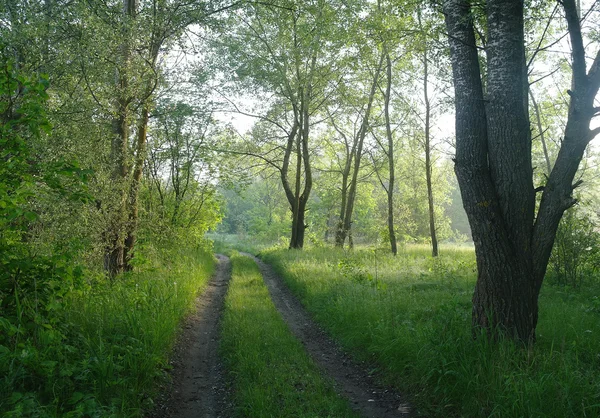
[
  {"x": 298, "y": 227},
  {"x": 493, "y": 163},
  {"x": 135, "y": 189},
  {"x": 390, "y": 154},
  {"x": 428, "y": 164},
  {"x": 114, "y": 257},
  {"x": 339, "y": 232},
  {"x": 362, "y": 133},
  {"x": 503, "y": 294},
  {"x": 540, "y": 128},
  {"x": 114, "y": 252}
]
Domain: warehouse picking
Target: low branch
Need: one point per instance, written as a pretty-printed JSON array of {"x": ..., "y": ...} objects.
[{"x": 576, "y": 184}]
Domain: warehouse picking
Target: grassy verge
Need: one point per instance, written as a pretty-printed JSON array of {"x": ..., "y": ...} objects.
[
  {"x": 111, "y": 343},
  {"x": 410, "y": 315},
  {"x": 272, "y": 374}
]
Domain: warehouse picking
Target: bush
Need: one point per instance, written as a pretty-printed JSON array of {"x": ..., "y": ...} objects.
[{"x": 576, "y": 250}]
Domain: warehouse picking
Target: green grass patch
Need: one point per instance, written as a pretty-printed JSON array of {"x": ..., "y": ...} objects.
[
  {"x": 271, "y": 372},
  {"x": 109, "y": 346},
  {"x": 410, "y": 316}
]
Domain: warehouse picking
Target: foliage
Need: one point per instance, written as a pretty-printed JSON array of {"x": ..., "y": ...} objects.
[
  {"x": 576, "y": 250},
  {"x": 33, "y": 286},
  {"x": 108, "y": 345}
]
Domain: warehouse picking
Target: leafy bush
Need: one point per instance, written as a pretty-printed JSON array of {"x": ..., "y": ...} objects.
[{"x": 576, "y": 250}]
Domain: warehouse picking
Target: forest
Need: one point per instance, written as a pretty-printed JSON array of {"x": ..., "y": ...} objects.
[{"x": 299, "y": 208}]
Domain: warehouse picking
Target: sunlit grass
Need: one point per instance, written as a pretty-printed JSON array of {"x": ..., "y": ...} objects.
[
  {"x": 410, "y": 316},
  {"x": 128, "y": 329},
  {"x": 271, "y": 372}
]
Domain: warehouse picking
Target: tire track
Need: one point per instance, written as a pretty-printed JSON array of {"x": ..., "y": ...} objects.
[
  {"x": 198, "y": 389},
  {"x": 351, "y": 379}
]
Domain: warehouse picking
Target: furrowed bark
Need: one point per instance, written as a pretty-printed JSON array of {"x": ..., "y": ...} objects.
[
  {"x": 493, "y": 163},
  {"x": 498, "y": 306}
]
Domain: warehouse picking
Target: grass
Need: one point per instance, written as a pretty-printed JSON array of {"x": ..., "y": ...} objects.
[
  {"x": 272, "y": 374},
  {"x": 410, "y": 316},
  {"x": 111, "y": 347}
]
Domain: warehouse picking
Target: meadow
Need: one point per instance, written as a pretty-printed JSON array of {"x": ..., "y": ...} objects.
[{"x": 409, "y": 317}]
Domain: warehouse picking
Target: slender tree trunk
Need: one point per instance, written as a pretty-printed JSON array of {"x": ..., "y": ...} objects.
[
  {"x": 428, "y": 164},
  {"x": 362, "y": 133},
  {"x": 339, "y": 234},
  {"x": 297, "y": 220},
  {"x": 538, "y": 118},
  {"x": 299, "y": 136},
  {"x": 135, "y": 188},
  {"x": 390, "y": 154}
]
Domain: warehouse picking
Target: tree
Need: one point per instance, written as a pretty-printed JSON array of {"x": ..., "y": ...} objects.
[
  {"x": 283, "y": 51},
  {"x": 493, "y": 161},
  {"x": 427, "y": 143}
]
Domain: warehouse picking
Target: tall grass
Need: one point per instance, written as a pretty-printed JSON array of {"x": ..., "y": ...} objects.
[
  {"x": 271, "y": 372},
  {"x": 410, "y": 316},
  {"x": 111, "y": 346}
]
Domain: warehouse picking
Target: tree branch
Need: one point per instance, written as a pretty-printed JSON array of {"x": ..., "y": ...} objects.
[{"x": 574, "y": 27}]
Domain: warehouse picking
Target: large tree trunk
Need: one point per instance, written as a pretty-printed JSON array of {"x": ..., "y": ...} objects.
[
  {"x": 114, "y": 257},
  {"x": 493, "y": 163}
]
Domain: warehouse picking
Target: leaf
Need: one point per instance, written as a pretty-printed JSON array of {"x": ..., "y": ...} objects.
[
  {"x": 77, "y": 396},
  {"x": 30, "y": 216}
]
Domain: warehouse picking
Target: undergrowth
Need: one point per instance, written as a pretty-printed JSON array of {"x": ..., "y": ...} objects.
[
  {"x": 105, "y": 344},
  {"x": 272, "y": 375},
  {"x": 410, "y": 317}
]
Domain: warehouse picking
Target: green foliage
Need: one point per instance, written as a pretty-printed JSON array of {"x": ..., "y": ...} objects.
[
  {"x": 260, "y": 210},
  {"x": 576, "y": 249},
  {"x": 415, "y": 329},
  {"x": 33, "y": 287},
  {"x": 271, "y": 372},
  {"x": 108, "y": 345}
]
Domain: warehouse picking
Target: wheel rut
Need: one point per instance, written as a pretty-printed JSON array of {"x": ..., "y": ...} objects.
[
  {"x": 198, "y": 389},
  {"x": 351, "y": 379}
]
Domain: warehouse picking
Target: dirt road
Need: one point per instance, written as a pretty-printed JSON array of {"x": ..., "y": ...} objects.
[
  {"x": 198, "y": 389},
  {"x": 351, "y": 379}
]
